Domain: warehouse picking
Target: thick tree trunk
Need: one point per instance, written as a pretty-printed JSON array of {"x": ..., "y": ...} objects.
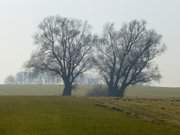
[
  {"x": 122, "y": 92},
  {"x": 116, "y": 92},
  {"x": 113, "y": 91},
  {"x": 67, "y": 89}
]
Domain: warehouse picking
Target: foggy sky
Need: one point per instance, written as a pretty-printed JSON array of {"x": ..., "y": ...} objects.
[{"x": 19, "y": 20}]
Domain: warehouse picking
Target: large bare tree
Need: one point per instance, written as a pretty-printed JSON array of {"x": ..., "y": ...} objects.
[
  {"x": 64, "y": 47},
  {"x": 125, "y": 57}
]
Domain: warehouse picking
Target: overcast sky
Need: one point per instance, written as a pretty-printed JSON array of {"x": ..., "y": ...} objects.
[{"x": 19, "y": 20}]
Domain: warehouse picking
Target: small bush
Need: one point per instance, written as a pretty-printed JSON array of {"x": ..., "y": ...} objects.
[{"x": 97, "y": 91}]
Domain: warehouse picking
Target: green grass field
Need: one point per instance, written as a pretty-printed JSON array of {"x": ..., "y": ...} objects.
[
  {"x": 56, "y": 90},
  {"x": 78, "y": 116},
  {"x": 40, "y": 110}
]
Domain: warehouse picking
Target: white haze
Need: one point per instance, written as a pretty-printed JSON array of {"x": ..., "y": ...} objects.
[{"x": 19, "y": 19}]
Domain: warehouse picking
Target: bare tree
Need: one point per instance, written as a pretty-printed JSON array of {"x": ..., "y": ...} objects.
[
  {"x": 10, "y": 80},
  {"x": 125, "y": 57},
  {"x": 64, "y": 47}
]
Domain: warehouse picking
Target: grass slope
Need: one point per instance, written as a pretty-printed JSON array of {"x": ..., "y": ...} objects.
[
  {"x": 30, "y": 90},
  {"x": 71, "y": 116},
  {"x": 162, "y": 111},
  {"x": 152, "y": 92}
]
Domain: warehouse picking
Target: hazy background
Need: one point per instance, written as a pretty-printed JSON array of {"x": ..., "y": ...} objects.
[{"x": 19, "y": 20}]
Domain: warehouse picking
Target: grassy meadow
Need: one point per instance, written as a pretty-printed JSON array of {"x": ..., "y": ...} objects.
[
  {"x": 79, "y": 116},
  {"x": 40, "y": 110},
  {"x": 56, "y": 90}
]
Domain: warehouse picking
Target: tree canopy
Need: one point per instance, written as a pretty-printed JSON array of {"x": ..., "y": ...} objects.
[
  {"x": 64, "y": 47},
  {"x": 125, "y": 56}
]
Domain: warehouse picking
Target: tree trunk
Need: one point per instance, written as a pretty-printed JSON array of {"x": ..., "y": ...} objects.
[
  {"x": 116, "y": 92},
  {"x": 113, "y": 91},
  {"x": 67, "y": 89},
  {"x": 122, "y": 90}
]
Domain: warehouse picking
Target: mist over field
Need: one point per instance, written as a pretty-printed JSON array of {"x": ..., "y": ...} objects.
[
  {"x": 85, "y": 90},
  {"x": 20, "y": 19}
]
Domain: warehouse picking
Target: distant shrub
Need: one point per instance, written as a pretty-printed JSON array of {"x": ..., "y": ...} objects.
[{"x": 98, "y": 90}]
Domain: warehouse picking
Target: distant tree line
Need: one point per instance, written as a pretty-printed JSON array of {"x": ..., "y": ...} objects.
[
  {"x": 27, "y": 77},
  {"x": 67, "y": 48}
]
